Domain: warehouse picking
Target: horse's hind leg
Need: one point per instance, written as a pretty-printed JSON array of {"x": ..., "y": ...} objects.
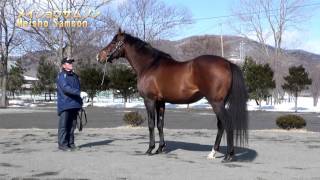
[
  {"x": 223, "y": 117},
  {"x": 230, "y": 149},
  {"x": 216, "y": 146},
  {"x": 217, "y": 107},
  {"x": 150, "y": 106},
  {"x": 160, "y": 108}
]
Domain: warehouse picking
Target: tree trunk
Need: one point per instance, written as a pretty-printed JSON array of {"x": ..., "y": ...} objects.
[
  {"x": 260, "y": 100},
  {"x": 257, "y": 103},
  {"x": 296, "y": 102},
  {"x": 315, "y": 100},
  {"x": 125, "y": 101},
  {"x": 3, "y": 100}
]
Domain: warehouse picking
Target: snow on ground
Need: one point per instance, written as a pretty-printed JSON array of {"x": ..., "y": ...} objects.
[{"x": 305, "y": 104}]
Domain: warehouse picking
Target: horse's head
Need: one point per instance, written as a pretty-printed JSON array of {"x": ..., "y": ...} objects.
[{"x": 113, "y": 50}]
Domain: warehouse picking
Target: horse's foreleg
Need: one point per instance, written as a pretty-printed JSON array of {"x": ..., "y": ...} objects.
[
  {"x": 160, "y": 108},
  {"x": 150, "y": 106}
]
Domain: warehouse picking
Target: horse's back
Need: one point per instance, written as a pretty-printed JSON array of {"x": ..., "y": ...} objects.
[{"x": 211, "y": 59}]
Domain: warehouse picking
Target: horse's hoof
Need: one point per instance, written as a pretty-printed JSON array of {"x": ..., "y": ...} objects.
[
  {"x": 228, "y": 158},
  {"x": 212, "y": 155},
  {"x": 160, "y": 149},
  {"x": 149, "y": 151}
]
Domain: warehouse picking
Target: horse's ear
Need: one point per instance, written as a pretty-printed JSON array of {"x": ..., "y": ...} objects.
[{"x": 119, "y": 31}]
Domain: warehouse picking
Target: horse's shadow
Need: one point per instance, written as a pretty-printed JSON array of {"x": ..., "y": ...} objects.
[
  {"x": 97, "y": 143},
  {"x": 242, "y": 154}
]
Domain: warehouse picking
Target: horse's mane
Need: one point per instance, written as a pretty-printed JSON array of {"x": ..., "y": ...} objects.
[{"x": 144, "y": 46}]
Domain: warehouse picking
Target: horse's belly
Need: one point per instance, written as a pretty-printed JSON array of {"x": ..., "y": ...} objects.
[{"x": 183, "y": 97}]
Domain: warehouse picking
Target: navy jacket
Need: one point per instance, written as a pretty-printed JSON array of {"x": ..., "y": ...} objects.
[{"x": 68, "y": 91}]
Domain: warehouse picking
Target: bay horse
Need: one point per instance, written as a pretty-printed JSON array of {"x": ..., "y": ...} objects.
[{"x": 162, "y": 79}]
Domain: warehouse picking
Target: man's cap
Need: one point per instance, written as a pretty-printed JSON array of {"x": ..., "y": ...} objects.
[{"x": 67, "y": 60}]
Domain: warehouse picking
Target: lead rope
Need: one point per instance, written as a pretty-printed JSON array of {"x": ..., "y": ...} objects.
[
  {"x": 80, "y": 123},
  {"x": 104, "y": 73}
]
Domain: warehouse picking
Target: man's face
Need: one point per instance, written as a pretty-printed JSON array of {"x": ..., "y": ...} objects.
[{"x": 67, "y": 66}]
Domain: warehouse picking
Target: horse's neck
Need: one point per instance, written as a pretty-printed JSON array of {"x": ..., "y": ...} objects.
[{"x": 139, "y": 61}]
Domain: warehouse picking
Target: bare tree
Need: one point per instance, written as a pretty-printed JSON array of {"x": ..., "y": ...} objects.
[
  {"x": 64, "y": 40},
  {"x": 200, "y": 45},
  {"x": 270, "y": 19},
  {"x": 8, "y": 42},
  {"x": 151, "y": 19}
]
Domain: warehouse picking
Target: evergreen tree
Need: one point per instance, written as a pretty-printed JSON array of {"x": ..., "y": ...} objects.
[
  {"x": 91, "y": 78},
  {"x": 123, "y": 81},
  {"x": 259, "y": 79},
  {"x": 297, "y": 80},
  {"x": 46, "y": 73},
  {"x": 15, "y": 77}
]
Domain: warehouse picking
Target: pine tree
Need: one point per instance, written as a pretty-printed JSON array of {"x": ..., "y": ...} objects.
[
  {"x": 123, "y": 81},
  {"x": 15, "y": 77},
  {"x": 297, "y": 80},
  {"x": 259, "y": 79},
  {"x": 47, "y": 74},
  {"x": 90, "y": 80}
]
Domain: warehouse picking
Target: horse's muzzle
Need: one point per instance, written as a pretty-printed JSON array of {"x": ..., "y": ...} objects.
[{"x": 97, "y": 58}]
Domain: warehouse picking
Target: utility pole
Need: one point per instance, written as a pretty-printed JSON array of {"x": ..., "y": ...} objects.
[
  {"x": 241, "y": 49},
  {"x": 221, "y": 40}
]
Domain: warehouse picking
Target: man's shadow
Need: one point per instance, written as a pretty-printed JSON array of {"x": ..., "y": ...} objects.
[
  {"x": 242, "y": 154},
  {"x": 97, "y": 143}
]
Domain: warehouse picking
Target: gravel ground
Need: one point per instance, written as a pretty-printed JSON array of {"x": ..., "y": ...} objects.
[
  {"x": 118, "y": 153},
  {"x": 109, "y": 150}
]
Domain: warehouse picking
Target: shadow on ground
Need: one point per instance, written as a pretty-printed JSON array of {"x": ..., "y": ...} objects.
[
  {"x": 242, "y": 154},
  {"x": 97, "y": 143}
]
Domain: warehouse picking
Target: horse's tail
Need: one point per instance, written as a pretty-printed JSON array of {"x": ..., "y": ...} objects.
[{"x": 237, "y": 107}]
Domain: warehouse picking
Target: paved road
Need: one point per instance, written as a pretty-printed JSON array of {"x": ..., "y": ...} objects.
[{"x": 46, "y": 118}]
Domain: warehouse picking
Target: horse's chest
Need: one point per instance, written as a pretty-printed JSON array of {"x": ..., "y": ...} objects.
[{"x": 148, "y": 88}]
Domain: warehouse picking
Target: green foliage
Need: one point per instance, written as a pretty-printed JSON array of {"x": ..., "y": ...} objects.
[
  {"x": 258, "y": 78},
  {"x": 123, "y": 81},
  {"x": 46, "y": 73},
  {"x": 133, "y": 118},
  {"x": 91, "y": 78},
  {"x": 297, "y": 80},
  {"x": 15, "y": 77},
  {"x": 290, "y": 121}
]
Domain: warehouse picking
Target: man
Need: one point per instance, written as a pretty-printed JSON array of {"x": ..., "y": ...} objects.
[{"x": 68, "y": 105}]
